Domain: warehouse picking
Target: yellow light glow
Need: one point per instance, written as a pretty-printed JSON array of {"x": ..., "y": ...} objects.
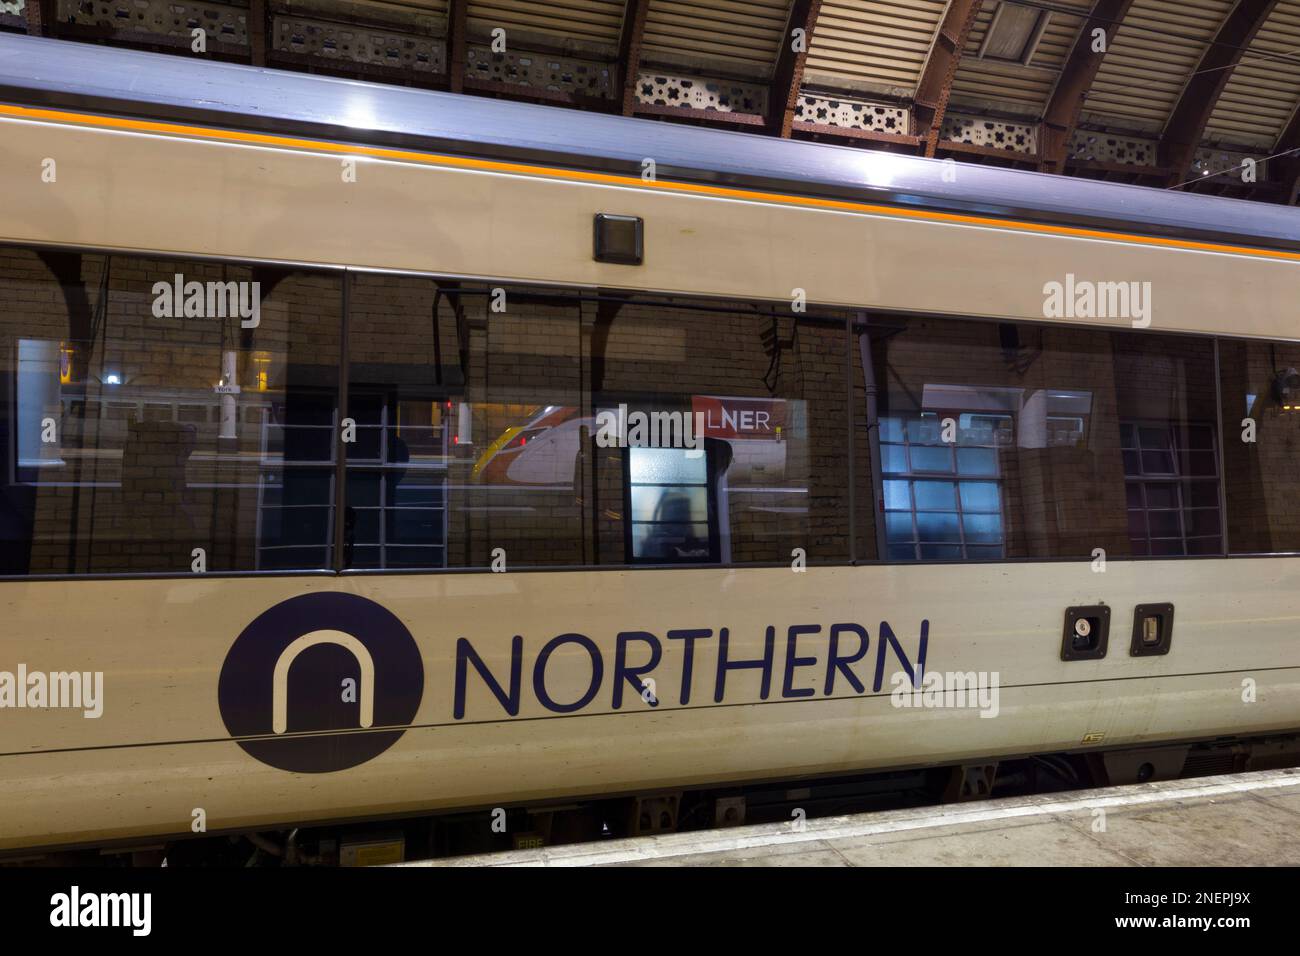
[{"x": 263, "y": 379}]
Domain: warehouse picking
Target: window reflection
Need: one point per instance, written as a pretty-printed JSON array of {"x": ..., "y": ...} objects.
[
  {"x": 152, "y": 434},
  {"x": 1261, "y": 445},
  {"x": 762, "y": 394},
  {"x": 671, "y": 513},
  {"x": 135, "y": 438},
  {"x": 1006, "y": 441}
]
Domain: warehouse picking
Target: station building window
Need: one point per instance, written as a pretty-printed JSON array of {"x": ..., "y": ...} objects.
[
  {"x": 943, "y": 500},
  {"x": 405, "y": 397},
  {"x": 1010, "y": 441},
  {"x": 1172, "y": 477},
  {"x": 672, "y": 511}
]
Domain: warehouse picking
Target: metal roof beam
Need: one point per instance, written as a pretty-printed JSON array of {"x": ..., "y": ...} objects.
[
  {"x": 932, "y": 92},
  {"x": 258, "y": 29},
  {"x": 787, "y": 72},
  {"x": 40, "y": 17},
  {"x": 1287, "y": 160},
  {"x": 1192, "y": 112},
  {"x": 1081, "y": 66},
  {"x": 457, "y": 25},
  {"x": 629, "y": 49}
]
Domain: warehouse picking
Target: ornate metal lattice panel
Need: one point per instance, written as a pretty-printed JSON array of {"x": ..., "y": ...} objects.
[
  {"x": 1211, "y": 162},
  {"x": 373, "y": 46},
  {"x": 995, "y": 134},
  {"x": 1097, "y": 147},
  {"x": 224, "y": 23},
  {"x": 15, "y": 7},
  {"x": 696, "y": 93},
  {"x": 540, "y": 71},
  {"x": 850, "y": 114}
]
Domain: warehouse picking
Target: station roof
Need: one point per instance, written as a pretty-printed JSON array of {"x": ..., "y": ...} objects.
[{"x": 1199, "y": 95}]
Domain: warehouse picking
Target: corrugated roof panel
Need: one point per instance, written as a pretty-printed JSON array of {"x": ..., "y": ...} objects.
[
  {"x": 979, "y": 29},
  {"x": 883, "y": 42},
  {"x": 1153, "y": 53},
  {"x": 1005, "y": 85},
  {"x": 1058, "y": 39},
  {"x": 1010, "y": 86},
  {"x": 593, "y": 21},
  {"x": 737, "y": 34},
  {"x": 1264, "y": 89}
]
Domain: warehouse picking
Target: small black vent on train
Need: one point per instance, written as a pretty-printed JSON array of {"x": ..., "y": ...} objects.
[
  {"x": 1087, "y": 628},
  {"x": 618, "y": 239}
]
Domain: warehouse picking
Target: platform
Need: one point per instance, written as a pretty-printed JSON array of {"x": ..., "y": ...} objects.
[{"x": 1249, "y": 819}]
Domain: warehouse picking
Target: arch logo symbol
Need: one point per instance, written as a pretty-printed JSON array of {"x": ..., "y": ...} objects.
[{"x": 309, "y": 670}]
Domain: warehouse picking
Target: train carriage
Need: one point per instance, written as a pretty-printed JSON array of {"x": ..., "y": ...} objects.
[{"x": 373, "y": 452}]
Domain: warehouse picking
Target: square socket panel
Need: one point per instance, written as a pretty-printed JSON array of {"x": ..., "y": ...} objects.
[
  {"x": 1087, "y": 630},
  {"x": 619, "y": 239},
  {"x": 1153, "y": 630}
]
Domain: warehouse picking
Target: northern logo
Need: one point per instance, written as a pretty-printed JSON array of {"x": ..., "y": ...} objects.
[{"x": 308, "y": 670}]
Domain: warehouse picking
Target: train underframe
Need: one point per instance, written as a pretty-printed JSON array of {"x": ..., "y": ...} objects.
[{"x": 590, "y": 819}]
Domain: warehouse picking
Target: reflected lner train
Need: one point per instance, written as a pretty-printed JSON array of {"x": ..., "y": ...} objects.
[{"x": 372, "y": 452}]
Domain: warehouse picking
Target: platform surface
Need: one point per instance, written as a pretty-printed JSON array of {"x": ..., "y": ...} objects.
[{"x": 1250, "y": 819}]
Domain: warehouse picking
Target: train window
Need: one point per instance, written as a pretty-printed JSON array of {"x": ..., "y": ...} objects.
[
  {"x": 1009, "y": 441},
  {"x": 1261, "y": 444},
  {"x": 467, "y": 407},
  {"x": 717, "y": 434},
  {"x": 165, "y": 416}
]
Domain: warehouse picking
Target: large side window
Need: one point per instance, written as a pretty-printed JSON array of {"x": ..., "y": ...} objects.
[
  {"x": 467, "y": 404},
  {"x": 165, "y": 415},
  {"x": 686, "y": 434},
  {"x": 1012, "y": 441},
  {"x": 718, "y": 433},
  {"x": 1260, "y": 387}
]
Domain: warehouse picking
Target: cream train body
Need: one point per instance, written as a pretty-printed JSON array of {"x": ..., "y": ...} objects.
[{"x": 161, "y": 751}]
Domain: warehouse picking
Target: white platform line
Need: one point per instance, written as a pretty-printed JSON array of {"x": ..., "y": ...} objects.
[{"x": 641, "y": 849}]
